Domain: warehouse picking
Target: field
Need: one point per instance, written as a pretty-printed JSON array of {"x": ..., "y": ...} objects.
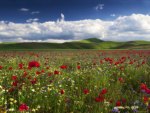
[
  {"x": 75, "y": 81},
  {"x": 91, "y": 43}
]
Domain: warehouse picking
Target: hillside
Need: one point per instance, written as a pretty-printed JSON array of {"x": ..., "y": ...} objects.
[{"x": 92, "y": 43}]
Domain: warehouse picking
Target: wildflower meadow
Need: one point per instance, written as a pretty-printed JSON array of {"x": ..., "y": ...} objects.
[{"x": 75, "y": 81}]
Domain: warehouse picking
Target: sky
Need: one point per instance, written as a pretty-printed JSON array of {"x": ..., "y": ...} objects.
[{"x": 68, "y": 20}]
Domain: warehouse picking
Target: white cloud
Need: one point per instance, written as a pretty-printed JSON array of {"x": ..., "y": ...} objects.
[
  {"x": 99, "y": 7},
  {"x": 133, "y": 27},
  {"x": 62, "y": 18},
  {"x": 32, "y": 20},
  {"x": 35, "y": 12},
  {"x": 123, "y": 28},
  {"x": 113, "y": 15},
  {"x": 24, "y": 9}
]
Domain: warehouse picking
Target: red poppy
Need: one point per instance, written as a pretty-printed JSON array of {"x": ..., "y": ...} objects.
[
  {"x": 99, "y": 99},
  {"x": 123, "y": 58},
  {"x": 121, "y": 80},
  {"x": 38, "y": 72},
  {"x": 10, "y": 68},
  {"x": 143, "y": 62},
  {"x": 29, "y": 68},
  {"x": 62, "y": 91},
  {"x": 49, "y": 74},
  {"x": 34, "y": 81},
  {"x": 145, "y": 99},
  {"x": 25, "y": 74},
  {"x": 101, "y": 61},
  {"x": 131, "y": 62},
  {"x": 116, "y": 63},
  {"x": 33, "y": 64},
  {"x": 23, "y": 107},
  {"x": 123, "y": 100},
  {"x": 86, "y": 91},
  {"x": 20, "y": 66},
  {"x": 14, "y": 77},
  {"x": 107, "y": 59},
  {"x": 42, "y": 71},
  {"x": 56, "y": 72},
  {"x": 104, "y": 91},
  {"x": 63, "y": 67},
  {"x": 118, "y": 103},
  {"x": 78, "y": 67},
  {"x": 143, "y": 86},
  {"x": 1, "y": 67},
  {"x": 15, "y": 83},
  {"x": 147, "y": 91}
]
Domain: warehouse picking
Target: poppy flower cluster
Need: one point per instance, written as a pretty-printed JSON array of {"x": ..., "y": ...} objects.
[
  {"x": 101, "y": 97},
  {"x": 110, "y": 60},
  {"x": 120, "y": 61},
  {"x": 145, "y": 99},
  {"x": 120, "y": 102},
  {"x": 33, "y": 64},
  {"x": 144, "y": 88},
  {"x": 15, "y": 81},
  {"x": 59, "y": 85}
]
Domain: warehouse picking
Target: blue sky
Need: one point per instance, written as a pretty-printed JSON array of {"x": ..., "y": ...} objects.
[
  {"x": 52, "y": 20},
  {"x": 72, "y": 9}
]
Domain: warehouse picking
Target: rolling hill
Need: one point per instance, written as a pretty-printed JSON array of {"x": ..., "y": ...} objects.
[{"x": 91, "y": 43}]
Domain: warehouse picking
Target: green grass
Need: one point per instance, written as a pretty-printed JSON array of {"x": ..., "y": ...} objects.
[
  {"x": 92, "y": 43},
  {"x": 44, "y": 96}
]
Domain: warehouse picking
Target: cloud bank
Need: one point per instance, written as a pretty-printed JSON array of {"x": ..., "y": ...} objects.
[{"x": 123, "y": 28}]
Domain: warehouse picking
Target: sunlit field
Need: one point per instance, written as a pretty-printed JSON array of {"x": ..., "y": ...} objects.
[{"x": 75, "y": 81}]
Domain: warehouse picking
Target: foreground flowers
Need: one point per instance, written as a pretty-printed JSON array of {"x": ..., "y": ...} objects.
[
  {"x": 33, "y": 64},
  {"x": 1, "y": 67},
  {"x": 23, "y": 107},
  {"x": 144, "y": 88},
  {"x": 86, "y": 91},
  {"x": 75, "y": 81},
  {"x": 101, "y": 96}
]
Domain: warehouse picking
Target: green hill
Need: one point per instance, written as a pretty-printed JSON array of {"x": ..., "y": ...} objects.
[
  {"x": 91, "y": 43},
  {"x": 91, "y": 40}
]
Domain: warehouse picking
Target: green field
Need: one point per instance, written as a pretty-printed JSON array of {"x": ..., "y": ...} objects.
[
  {"x": 92, "y": 43},
  {"x": 83, "y": 81}
]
